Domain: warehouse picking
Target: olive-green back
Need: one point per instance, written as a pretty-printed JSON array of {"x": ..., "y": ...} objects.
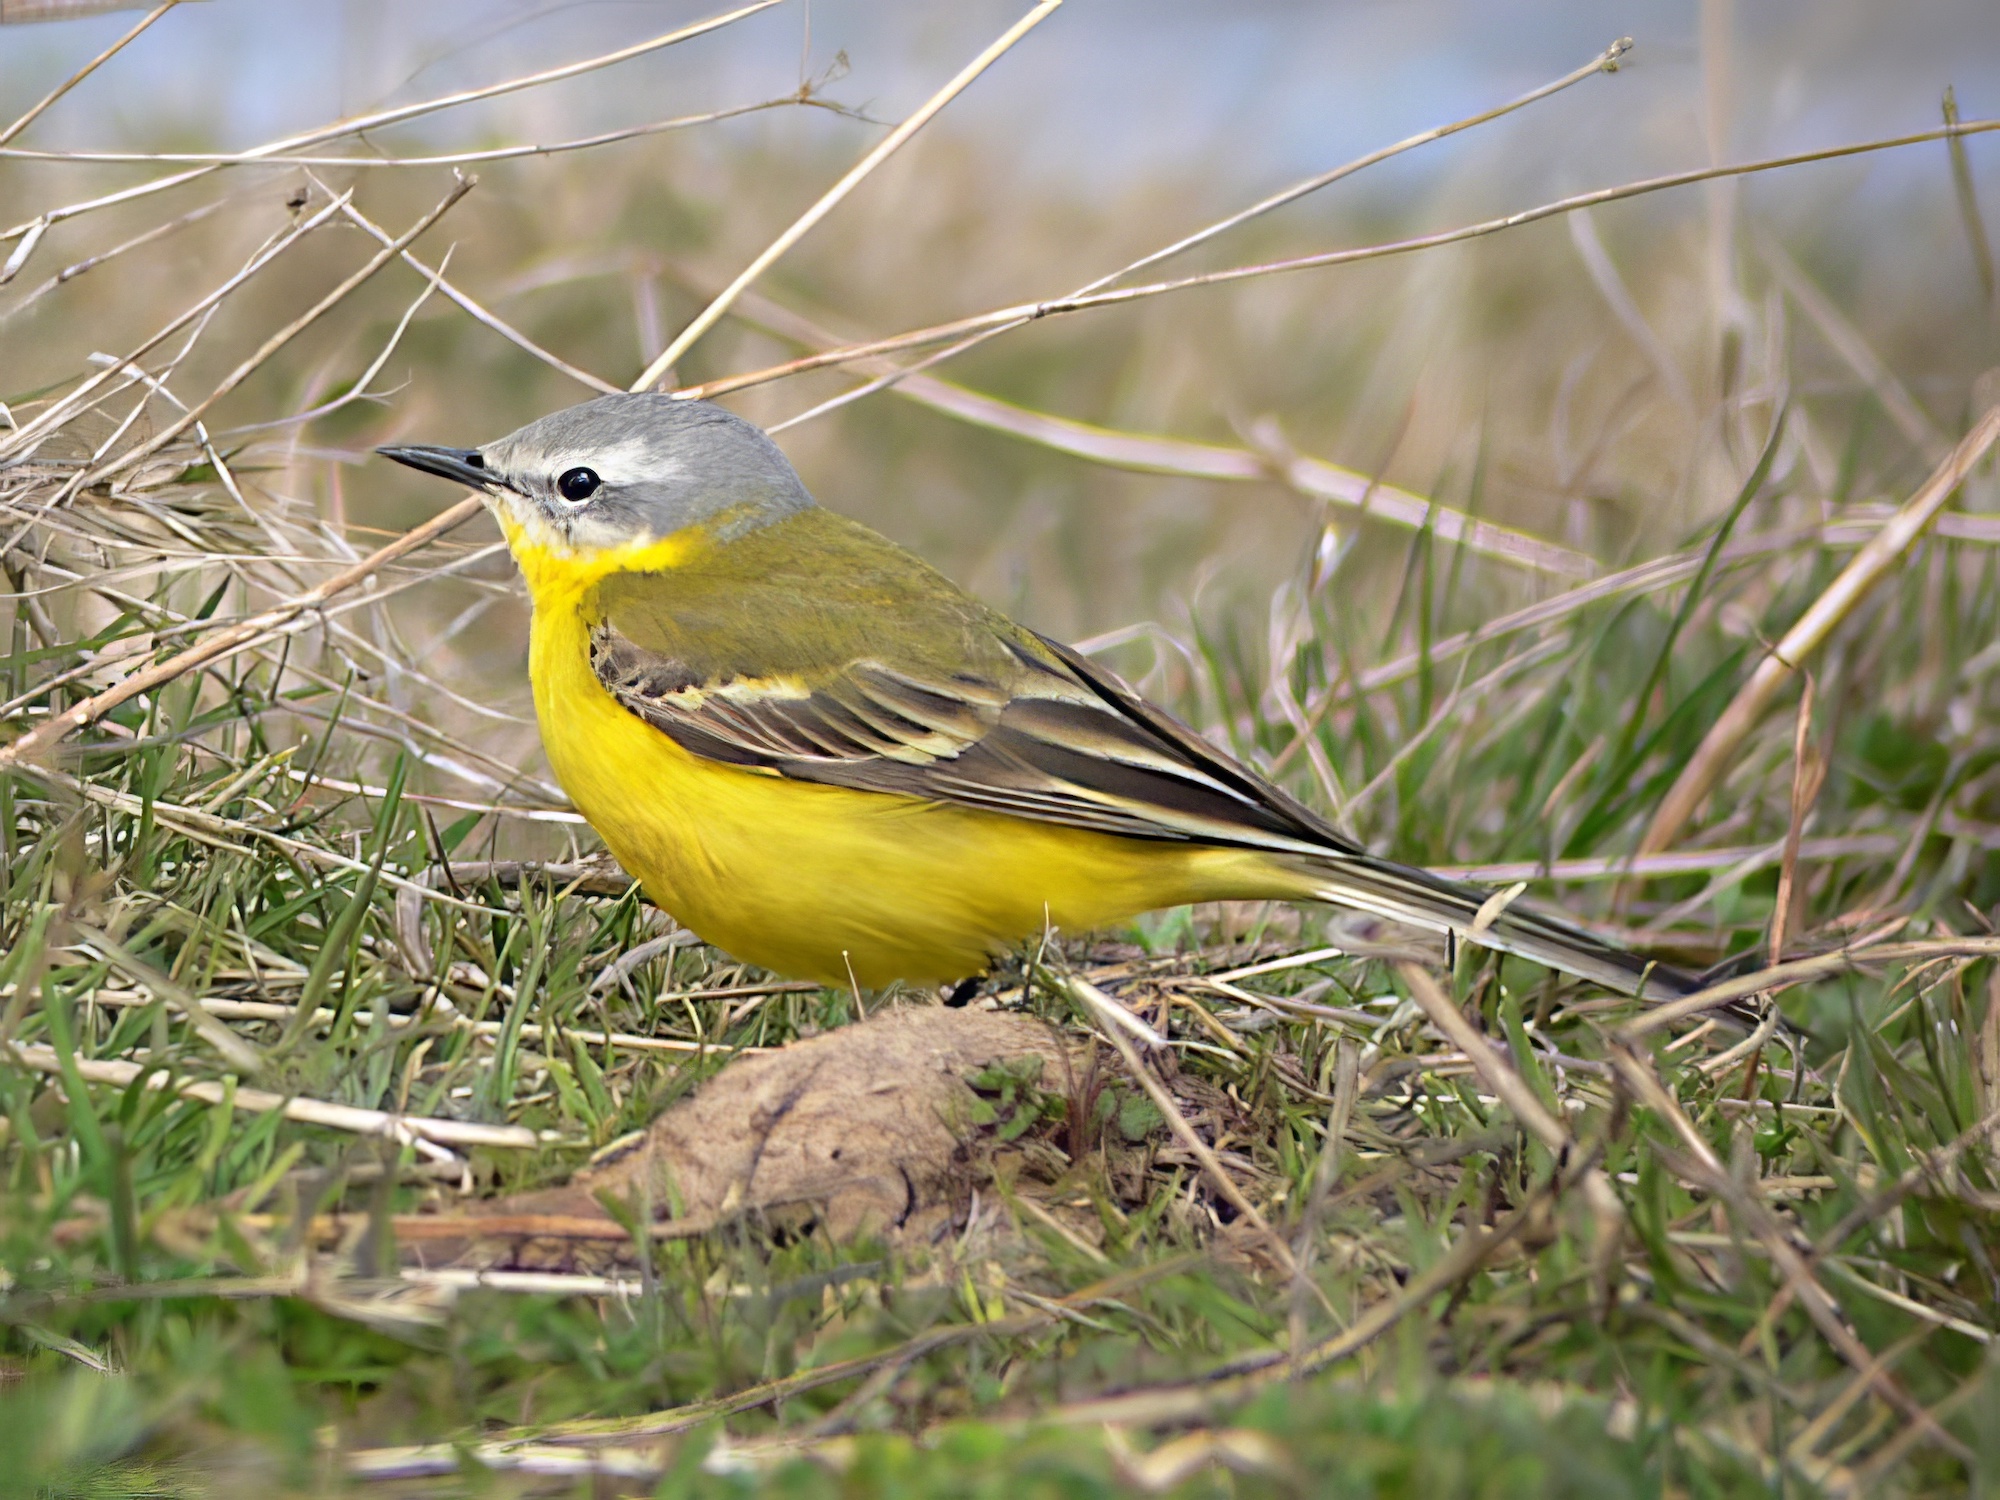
[{"x": 806, "y": 597}]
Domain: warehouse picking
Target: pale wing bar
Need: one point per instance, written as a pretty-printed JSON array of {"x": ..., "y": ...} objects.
[{"x": 1049, "y": 745}]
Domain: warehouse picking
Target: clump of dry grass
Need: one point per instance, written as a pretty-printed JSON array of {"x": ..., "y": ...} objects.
[{"x": 295, "y": 947}]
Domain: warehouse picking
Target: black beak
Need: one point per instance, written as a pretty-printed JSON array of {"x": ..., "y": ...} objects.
[{"x": 461, "y": 465}]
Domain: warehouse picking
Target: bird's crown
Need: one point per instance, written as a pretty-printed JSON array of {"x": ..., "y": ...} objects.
[{"x": 623, "y": 469}]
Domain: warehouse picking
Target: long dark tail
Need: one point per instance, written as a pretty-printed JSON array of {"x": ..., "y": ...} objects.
[{"x": 1402, "y": 893}]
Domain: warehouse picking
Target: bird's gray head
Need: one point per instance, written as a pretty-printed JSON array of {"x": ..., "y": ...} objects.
[{"x": 623, "y": 469}]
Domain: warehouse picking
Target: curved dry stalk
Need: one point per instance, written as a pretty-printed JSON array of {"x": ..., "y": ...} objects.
[
  {"x": 1148, "y": 453},
  {"x": 709, "y": 316},
  {"x": 1312, "y": 477},
  {"x": 1717, "y": 750},
  {"x": 357, "y": 389},
  {"x": 475, "y": 310},
  {"x": 1803, "y": 971},
  {"x": 449, "y": 159}
]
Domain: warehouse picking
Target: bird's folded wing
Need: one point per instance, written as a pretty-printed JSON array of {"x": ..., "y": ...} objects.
[
  {"x": 1029, "y": 729},
  {"x": 813, "y": 649}
]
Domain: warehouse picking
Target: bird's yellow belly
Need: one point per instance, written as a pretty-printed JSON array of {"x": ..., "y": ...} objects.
[{"x": 819, "y": 881}]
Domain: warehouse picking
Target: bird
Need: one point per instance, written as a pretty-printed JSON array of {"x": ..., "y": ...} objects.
[{"x": 821, "y": 756}]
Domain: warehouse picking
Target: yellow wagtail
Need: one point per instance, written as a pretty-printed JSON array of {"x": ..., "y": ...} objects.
[{"x": 820, "y": 755}]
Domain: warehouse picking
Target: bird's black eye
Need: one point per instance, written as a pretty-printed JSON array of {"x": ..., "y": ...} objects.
[{"x": 578, "y": 485}]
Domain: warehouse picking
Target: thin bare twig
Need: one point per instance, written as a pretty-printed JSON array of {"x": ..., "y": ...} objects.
[
  {"x": 1023, "y": 313},
  {"x": 1606, "y": 61},
  {"x": 91, "y": 262},
  {"x": 446, "y": 159},
  {"x": 475, "y": 310},
  {"x": 357, "y": 389},
  {"x": 889, "y": 145},
  {"x": 31, "y": 432},
  {"x": 395, "y": 116},
  {"x": 54, "y": 729},
  {"x": 85, "y": 71},
  {"x": 134, "y": 456}
]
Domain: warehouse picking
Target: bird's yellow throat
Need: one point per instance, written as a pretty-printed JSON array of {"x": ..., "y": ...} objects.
[{"x": 558, "y": 574}]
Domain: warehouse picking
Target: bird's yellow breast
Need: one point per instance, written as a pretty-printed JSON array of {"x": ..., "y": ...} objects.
[{"x": 822, "y": 882}]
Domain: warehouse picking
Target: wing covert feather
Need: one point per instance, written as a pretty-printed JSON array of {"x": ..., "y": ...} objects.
[{"x": 878, "y": 674}]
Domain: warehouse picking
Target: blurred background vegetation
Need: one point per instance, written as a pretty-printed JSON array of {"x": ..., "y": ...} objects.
[{"x": 1755, "y": 366}]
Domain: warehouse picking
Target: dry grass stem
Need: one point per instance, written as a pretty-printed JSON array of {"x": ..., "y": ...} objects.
[
  {"x": 408, "y": 1129},
  {"x": 52, "y": 730},
  {"x": 1707, "y": 1169},
  {"x": 1212, "y": 1169},
  {"x": 1021, "y": 314},
  {"x": 140, "y": 452},
  {"x": 710, "y": 315},
  {"x": 1856, "y": 581},
  {"x": 381, "y": 119},
  {"x": 1607, "y": 61},
  {"x": 36, "y": 111}
]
